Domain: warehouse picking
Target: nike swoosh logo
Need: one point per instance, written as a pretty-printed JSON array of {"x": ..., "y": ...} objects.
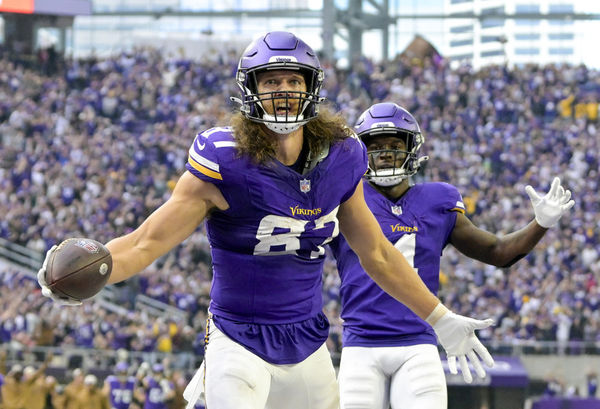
[{"x": 201, "y": 146}]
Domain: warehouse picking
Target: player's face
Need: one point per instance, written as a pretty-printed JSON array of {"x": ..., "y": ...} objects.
[
  {"x": 286, "y": 88},
  {"x": 388, "y": 152}
]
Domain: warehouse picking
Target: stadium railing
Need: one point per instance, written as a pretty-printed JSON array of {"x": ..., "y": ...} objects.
[
  {"x": 20, "y": 255},
  {"x": 97, "y": 361},
  {"x": 30, "y": 261},
  {"x": 70, "y": 357},
  {"x": 159, "y": 309}
]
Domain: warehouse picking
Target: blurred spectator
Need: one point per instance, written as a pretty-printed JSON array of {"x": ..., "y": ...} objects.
[
  {"x": 38, "y": 391},
  {"x": 554, "y": 387},
  {"x": 53, "y": 389},
  {"x": 592, "y": 384},
  {"x": 25, "y": 388},
  {"x": 91, "y": 396},
  {"x": 73, "y": 390}
]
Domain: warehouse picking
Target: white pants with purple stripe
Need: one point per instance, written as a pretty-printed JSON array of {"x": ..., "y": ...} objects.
[
  {"x": 409, "y": 377},
  {"x": 238, "y": 379}
]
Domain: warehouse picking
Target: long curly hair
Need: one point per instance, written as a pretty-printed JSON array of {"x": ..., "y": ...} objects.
[{"x": 252, "y": 138}]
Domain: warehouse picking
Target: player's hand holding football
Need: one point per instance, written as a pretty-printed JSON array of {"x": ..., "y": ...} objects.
[
  {"x": 75, "y": 270},
  {"x": 457, "y": 335},
  {"x": 549, "y": 209},
  {"x": 46, "y": 291}
]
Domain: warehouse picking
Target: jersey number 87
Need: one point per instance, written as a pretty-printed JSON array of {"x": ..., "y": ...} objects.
[{"x": 291, "y": 240}]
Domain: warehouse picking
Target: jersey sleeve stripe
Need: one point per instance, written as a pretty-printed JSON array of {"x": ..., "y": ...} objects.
[
  {"x": 224, "y": 144},
  {"x": 204, "y": 170},
  {"x": 459, "y": 207},
  {"x": 203, "y": 161}
]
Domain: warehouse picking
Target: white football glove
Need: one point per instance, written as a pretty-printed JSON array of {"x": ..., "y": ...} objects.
[
  {"x": 550, "y": 208},
  {"x": 47, "y": 292},
  {"x": 457, "y": 335}
]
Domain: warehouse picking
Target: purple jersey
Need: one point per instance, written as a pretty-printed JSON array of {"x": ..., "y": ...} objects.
[
  {"x": 419, "y": 224},
  {"x": 268, "y": 247},
  {"x": 121, "y": 393},
  {"x": 6, "y": 329},
  {"x": 84, "y": 335},
  {"x": 155, "y": 395}
]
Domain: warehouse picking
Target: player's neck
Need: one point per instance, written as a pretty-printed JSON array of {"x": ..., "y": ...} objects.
[
  {"x": 289, "y": 146},
  {"x": 393, "y": 192}
]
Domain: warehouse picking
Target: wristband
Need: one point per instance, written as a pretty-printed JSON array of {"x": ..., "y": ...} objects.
[{"x": 436, "y": 314}]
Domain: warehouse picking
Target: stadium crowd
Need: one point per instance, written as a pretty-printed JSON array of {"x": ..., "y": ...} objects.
[{"x": 93, "y": 149}]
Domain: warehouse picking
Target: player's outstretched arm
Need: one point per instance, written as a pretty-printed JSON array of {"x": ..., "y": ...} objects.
[
  {"x": 389, "y": 269},
  {"x": 168, "y": 226},
  {"x": 506, "y": 250}
]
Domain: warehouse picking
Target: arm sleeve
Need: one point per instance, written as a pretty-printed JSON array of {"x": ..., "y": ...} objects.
[{"x": 453, "y": 201}]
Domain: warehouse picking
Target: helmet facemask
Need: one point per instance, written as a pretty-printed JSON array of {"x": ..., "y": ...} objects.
[
  {"x": 395, "y": 123},
  {"x": 279, "y": 50},
  {"x": 390, "y": 166},
  {"x": 299, "y": 107}
]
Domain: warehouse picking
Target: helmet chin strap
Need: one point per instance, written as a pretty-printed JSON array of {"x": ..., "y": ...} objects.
[
  {"x": 393, "y": 176},
  {"x": 387, "y": 177},
  {"x": 387, "y": 181},
  {"x": 279, "y": 125}
]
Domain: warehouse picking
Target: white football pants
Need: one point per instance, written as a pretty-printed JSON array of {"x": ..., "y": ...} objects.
[
  {"x": 238, "y": 379},
  {"x": 408, "y": 377}
]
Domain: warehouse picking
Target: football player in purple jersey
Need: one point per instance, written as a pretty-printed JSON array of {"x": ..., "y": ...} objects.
[
  {"x": 390, "y": 354},
  {"x": 158, "y": 389},
  {"x": 274, "y": 188},
  {"x": 120, "y": 387}
]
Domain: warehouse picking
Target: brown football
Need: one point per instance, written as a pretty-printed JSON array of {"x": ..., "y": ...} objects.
[{"x": 78, "y": 268}]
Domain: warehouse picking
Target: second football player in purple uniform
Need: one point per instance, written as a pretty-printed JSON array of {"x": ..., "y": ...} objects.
[
  {"x": 275, "y": 188},
  {"x": 120, "y": 387},
  {"x": 390, "y": 354},
  {"x": 158, "y": 389}
]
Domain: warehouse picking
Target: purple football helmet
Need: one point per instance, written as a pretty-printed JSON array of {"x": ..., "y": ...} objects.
[
  {"x": 279, "y": 50},
  {"x": 122, "y": 367},
  {"x": 389, "y": 119}
]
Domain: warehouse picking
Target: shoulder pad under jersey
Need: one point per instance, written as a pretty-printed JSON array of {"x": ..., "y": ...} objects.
[
  {"x": 446, "y": 197},
  {"x": 206, "y": 154}
]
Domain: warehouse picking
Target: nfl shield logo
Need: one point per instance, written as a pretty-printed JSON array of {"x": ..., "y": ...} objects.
[
  {"x": 88, "y": 245},
  {"x": 305, "y": 185},
  {"x": 397, "y": 210}
]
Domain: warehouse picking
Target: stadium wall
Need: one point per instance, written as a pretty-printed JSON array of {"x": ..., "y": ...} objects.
[{"x": 572, "y": 370}]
